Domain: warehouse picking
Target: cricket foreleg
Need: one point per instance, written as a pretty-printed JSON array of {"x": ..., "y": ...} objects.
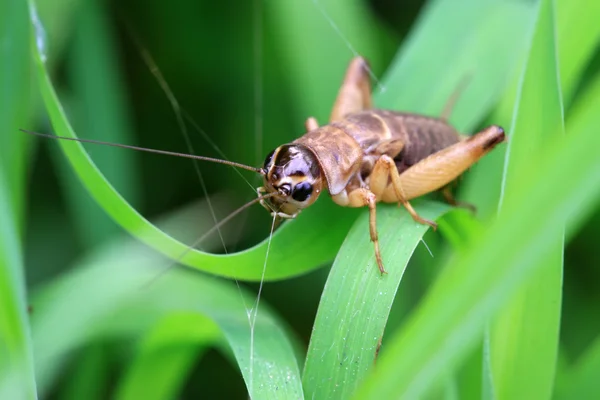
[
  {"x": 355, "y": 93},
  {"x": 311, "y": 124},
  {"x": 384, "y": 178},
  {"x": 364, "y": 197}
]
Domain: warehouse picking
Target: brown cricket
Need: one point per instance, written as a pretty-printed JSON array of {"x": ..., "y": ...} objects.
[{"x": 362, "y": 157}]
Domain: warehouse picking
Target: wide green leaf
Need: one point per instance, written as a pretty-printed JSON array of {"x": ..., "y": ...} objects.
[
  {"x": 114, "y": 288},
  {"x": 524, "y": 336},
  {"x": 357, "y": 299},
  {"x": 504, "y": 258}
]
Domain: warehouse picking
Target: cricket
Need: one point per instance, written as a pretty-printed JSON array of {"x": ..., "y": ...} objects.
[{"x": 363, "y": 156}]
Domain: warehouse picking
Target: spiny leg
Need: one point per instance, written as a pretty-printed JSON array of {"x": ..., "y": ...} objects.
[
  {"x": 416, "y": 216},
  {"x": 363, "y": 197},
  {"x": 355, "y": 93},
  {"x": 311, "y": 124},
  {"x": 384, "y": 170}
]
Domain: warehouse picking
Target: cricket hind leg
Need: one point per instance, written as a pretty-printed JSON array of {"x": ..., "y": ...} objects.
[
  {"x": 355, "y": 93},
  {"x": 385, "y": 171}
]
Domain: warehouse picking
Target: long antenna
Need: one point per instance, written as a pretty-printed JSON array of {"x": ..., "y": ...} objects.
[
  {"x": 233, "y": 214},
  {"x": 212, "y": 230},
  {"x": 454, "y": 96},
  {"x": 168, "y": 153}
]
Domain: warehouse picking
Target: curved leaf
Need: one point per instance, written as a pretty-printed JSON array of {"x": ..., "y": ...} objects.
[
  {"x": 166, "y": 355},
  {"x": 357, "y": 299},
  {"x": 503, "y": 259},
  {"x": 107, "y": 297}
]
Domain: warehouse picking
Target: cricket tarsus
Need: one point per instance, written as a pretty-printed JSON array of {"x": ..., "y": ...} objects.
[{"x": 164, "y": 152}]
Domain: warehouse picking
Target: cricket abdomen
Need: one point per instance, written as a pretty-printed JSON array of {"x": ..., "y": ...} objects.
[{"x": 421, "y": 136}]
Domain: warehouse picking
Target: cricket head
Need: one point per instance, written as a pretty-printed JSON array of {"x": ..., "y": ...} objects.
[{"x": 293, "y": 172}]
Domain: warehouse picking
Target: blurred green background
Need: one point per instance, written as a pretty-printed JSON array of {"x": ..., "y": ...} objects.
[{"x": 248, "y": 73}]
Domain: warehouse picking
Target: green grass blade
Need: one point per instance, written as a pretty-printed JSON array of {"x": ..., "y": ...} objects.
[
  {"x": 356, "y": 301},
  {"x": 584, "y": 115},
  {"x": 174, "y": 345},
  {"x": 524, "y": 336},
  {"x": 475, "y": 45},
  {"x": 15, "y": 99},
  {"x": 16, "y": 360},
  {"x": 108, "y": 296},
  {"x": 578, "y": 38},
  {"x": 92, "y": 373},
  {"x": 451, "y": 318},
  {"x": 581, "y": 380}
]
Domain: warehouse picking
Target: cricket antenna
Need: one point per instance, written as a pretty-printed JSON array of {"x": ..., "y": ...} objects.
[
  {"x": 168, "y": 153},
  {"x": 210, "y": 231},
  {"x": 453, "y": 99},
  {"x": 233, "y": 214}
]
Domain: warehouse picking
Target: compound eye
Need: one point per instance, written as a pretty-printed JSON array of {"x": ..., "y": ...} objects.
[{"x": 302, "y": 191}]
